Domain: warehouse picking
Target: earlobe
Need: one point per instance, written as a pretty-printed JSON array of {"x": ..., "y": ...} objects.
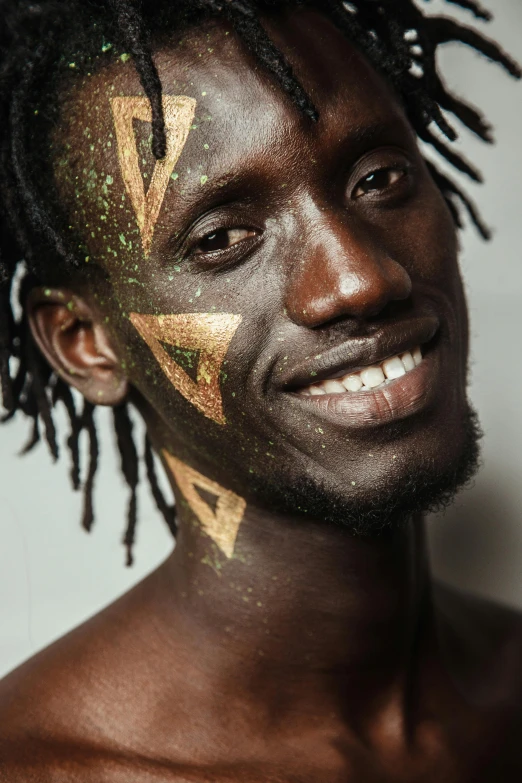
[{"x": 75, "y": 343}]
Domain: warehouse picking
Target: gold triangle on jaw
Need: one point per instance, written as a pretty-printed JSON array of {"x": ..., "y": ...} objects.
[
  {"x": 208, "y": 333},
  {"x": 222, "y": 525},
  {"x": 179, "y": 115}
]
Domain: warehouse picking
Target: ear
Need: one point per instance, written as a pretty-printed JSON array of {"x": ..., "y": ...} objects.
[{"x": 73, "y": 340}]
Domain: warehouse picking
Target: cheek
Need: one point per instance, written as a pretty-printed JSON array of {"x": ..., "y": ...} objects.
[
  {"x": 432, "y": 238},
  {"x": 198, "y": 339},
  {"x": 421, "y": 237},
  {"x": 441, "y": 251},
  {"x": 190, "y": 368}
]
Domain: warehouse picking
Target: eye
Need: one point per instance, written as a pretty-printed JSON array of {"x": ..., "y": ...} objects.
[
  {"x": 379, "y": 180},
  {"x": 223, "y": 239}
]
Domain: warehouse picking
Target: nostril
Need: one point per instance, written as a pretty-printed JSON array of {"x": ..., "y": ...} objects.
[{"x": 342, "y": 282}]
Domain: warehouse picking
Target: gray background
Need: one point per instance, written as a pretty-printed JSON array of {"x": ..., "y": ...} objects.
[{"x": 53, "y": 575}]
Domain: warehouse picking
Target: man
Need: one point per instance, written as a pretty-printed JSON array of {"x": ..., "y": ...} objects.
[{"x": 276, "y": 289}]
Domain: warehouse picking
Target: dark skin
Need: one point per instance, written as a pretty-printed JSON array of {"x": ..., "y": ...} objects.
[{"x": 311, "y": 654}]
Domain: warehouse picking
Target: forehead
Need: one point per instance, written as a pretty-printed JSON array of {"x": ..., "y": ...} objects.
[
  {"x": 215, "y": 67},
  {"x": 244, "y": 125}
]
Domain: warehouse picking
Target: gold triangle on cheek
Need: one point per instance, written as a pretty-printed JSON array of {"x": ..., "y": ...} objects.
[
  {"x": 208, "y": 333},
  {"x": 222, "y": 525},
  {"x": 179, "y": 112}
]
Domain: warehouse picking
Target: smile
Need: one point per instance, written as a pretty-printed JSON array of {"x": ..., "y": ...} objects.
[
  {"x": 372, "y": 381},
  {"x": 394, "y": 399},
  {"x": 374, "y": 377}
]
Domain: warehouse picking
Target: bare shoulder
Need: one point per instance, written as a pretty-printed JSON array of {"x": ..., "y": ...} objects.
[
  {"x": 483, "y": 638},
  {"x": 76, "y": 711},
  {"x": 488, "y": 618}
]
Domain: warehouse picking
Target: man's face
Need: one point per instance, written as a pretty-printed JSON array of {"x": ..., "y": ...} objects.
[{"x": 328, "y": 241}]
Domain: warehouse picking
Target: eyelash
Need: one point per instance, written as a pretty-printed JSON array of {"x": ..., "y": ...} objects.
[
  {"x": 227, "y": 256},
  {"x": 217, "y": 232},
  {"x": 404, "y": 169}
]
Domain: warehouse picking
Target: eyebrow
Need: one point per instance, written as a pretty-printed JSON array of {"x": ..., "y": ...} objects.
[
  {"x": 219, "y": 191},
  {"x": 364, "y": 134},
  {"x": 241, "y": 186},
  {"x": 222, "y": 191}
]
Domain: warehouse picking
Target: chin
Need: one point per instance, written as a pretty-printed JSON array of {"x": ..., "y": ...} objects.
[{"x": 423, "y": 479}]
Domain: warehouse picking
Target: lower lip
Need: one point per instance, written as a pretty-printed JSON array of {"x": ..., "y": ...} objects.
[{"x": 403, "y": 397}]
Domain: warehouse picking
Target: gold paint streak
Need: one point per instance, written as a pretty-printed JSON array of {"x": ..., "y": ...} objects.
[
  {"x": 179, "y": 113},
  {"x": 223, "y": 525},
  {"x": 208, "y": 333}
]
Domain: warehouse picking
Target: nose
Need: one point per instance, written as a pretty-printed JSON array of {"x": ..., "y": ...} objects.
[{"x": 344, "y": 272}]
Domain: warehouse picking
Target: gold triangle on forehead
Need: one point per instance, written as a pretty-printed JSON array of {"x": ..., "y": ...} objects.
[
  {"x": 222, "y": 525},
  {"x": 208, "y": 333},
  {"x": 179, "y": 112}
]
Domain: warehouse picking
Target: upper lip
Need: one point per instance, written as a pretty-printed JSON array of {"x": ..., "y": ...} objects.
[{"x": 356, "y": 353}]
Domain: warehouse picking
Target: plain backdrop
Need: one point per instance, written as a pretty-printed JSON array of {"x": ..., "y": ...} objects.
[{"x": 53, "y": 575}]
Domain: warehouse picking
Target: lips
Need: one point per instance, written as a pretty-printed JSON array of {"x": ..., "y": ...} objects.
[
  {"x": 371, "y": 378},
  {"x": 398, "y": 399},
  {"x": 358, "y": 353}
]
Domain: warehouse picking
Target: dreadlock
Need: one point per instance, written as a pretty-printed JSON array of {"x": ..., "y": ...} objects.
[{"x": 37, "y": 41}]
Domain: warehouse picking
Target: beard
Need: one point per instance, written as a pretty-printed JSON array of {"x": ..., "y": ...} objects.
[{"x": 388, "y": 507}]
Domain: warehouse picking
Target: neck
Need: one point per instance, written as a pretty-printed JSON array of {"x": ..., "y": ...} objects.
[{"x": 302, "y": 611}]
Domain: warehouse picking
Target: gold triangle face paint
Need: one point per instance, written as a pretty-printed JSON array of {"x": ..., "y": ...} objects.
[
  {"x": 179, "y": 115},
  {"x": 222, "y": 523},
  {"x": 208, "y": 333}
]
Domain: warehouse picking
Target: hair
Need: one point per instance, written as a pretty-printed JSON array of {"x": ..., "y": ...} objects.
[{"x": 42, "y": 42}]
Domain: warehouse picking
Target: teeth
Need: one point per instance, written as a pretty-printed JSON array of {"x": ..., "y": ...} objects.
[
  {"x": 407, "y": 360},
  {"x": 373, "y": 377},
  {"x": 333, "y": 387},
  {"x": 369, "y": 378},
  {"x": 393, "y": 368},
  {"x": 352, "y": 383}
]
